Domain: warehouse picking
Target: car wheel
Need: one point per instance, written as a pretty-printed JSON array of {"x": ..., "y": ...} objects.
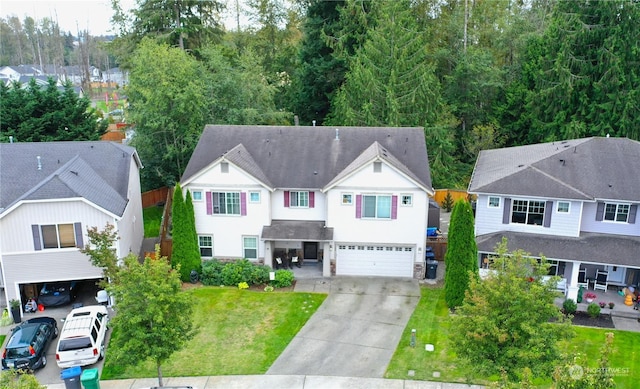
[
  {"x": 43, "y": 360},
  {"x": 55, "y": 332},
  {"x": 101, "y": 356}
]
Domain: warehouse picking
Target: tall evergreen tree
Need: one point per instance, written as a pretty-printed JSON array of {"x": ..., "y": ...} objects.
[
  {"x": 461, "y": 257},
  {"x": 193, "y": 260},
  {"x": 320, "y": 73},
  {"x": 588, "y": 83},
  {"x": 45, "y": 114},
  {"x": 179, "y": 230}
]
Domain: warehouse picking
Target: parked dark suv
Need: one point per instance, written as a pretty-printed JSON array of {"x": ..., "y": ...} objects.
[{"x": 28, "y": 344}]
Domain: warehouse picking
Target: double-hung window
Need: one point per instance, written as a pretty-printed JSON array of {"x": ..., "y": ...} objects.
[
  {"x": 57, "y": 236},
  {"x": 376, "y": 206},
  {"x": 250, "y": 247},
  {"x": 616, "y": 212},
  {"x": 299, "y": 199},
  {"x": 527, "y": 212},
  {"x": 226, "y": 203},
  {"x": 206, "y": 246}
]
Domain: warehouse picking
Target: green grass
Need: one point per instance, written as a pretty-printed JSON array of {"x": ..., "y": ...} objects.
[
  {"x": 430, "y": 321},
  {"x": 152, "y": 218},
  {"x": 2, "y": 338},
  {"x": 240, "y": 332}
]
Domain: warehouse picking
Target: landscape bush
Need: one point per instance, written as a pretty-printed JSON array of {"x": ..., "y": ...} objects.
[
  {"x": 212, "y": 272},
  {"x": 593, "y": 310},
  {"x": 570, "y": 307},
  {"x": 236, "y": 272},
  {"x": 284, "y": 279},
  {"x": 215, "y": 272}
]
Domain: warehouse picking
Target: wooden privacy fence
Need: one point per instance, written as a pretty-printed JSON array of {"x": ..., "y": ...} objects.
[
  {"x": 154, "y": 197},
  {"x": 455, "y": 195},
  {"x": 438, "y": 246}
]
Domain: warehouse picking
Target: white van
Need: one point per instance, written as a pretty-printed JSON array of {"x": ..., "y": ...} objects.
[{"x": 82, "y": 337}]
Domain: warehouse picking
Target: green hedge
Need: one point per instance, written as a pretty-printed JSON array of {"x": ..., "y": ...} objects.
[{"x": 215, "y": 272}]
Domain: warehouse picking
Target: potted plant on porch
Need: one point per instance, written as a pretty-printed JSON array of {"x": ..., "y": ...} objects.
[
  {"x": 14, "y": 305},
  {"x": 589, "y": 297}
]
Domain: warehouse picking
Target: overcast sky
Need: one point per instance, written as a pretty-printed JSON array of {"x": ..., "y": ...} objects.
[{"x": 72, "y": 15}]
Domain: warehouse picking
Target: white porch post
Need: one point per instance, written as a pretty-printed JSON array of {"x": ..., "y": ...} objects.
[
  {"x": 268, "y": 253},
  {"x": 326, "y": 258},
  {"x": 571, "y": 271}
]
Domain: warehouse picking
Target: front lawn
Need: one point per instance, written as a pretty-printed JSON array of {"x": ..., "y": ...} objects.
[
  {"x": 240, "y": 332},
  {"x": 430, "y": 321}
]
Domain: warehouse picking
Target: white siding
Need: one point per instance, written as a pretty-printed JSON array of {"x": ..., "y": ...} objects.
[
  {"x": 44, "y": 266},
  {"x": 228, "y": 230},
  {"x": 280, "y": 212},
  {"x": 408, "y": 229},
  {"x": 16, "y": 235},
  {"x": 489, "y": 219},
  {"x": 589, "y": 223},
  {"x": 131, "y": 226}
]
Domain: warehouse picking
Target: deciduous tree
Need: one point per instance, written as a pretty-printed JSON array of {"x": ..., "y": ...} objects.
[
  {"x": 509, "y": 321},
  {"x": 154, "y": 317}
]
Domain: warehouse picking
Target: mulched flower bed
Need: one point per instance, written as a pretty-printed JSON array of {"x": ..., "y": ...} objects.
[{"x": 583, "y": 319}]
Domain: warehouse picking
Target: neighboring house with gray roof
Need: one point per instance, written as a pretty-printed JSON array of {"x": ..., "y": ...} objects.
[
  {"x": 50, "y": 194},
  {"x": 574, "y": 201},
  {"x": 354, "y": 199}
]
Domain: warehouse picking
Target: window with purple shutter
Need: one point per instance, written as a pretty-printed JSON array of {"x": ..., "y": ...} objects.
[
  {"x": 394, "y": 207},
  {"x": 312, "y": 199},
  {"x": 286, "y": 199},
  {"x": 78, "y": 232},
  {"x": 243, "y": 203},
  {"x": 37, "y": 242},
  {"x": 358, "y": 206}
]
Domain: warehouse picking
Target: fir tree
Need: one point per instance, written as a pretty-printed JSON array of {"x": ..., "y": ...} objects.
[{"x": 461, "y": 257}]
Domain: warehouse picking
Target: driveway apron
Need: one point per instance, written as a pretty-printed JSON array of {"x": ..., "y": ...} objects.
[{"x": 355, "y": 331}]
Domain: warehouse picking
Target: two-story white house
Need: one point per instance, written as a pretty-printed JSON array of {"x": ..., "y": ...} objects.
[
  {"x": 574, "y": 201},
  {"x": 50, "y": 193},
  {"x": 354, "y": 198}
]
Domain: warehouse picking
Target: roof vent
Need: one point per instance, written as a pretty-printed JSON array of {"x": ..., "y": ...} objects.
[
  {"x": 337, "y": 134},
  {"x": 39, "y": 163}
]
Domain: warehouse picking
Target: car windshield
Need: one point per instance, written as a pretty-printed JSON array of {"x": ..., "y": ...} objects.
[
  {"x": 74, "y": 344},
  {"x": 18, "y": 352}
]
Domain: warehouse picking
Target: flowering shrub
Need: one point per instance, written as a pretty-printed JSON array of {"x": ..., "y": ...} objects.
[
  {"x": 602, "y": 304},
  {"x": 590, "y": 295}
]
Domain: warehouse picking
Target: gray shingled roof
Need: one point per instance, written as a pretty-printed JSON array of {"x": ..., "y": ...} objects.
[
  {"x": 297, "y": 230},
  {"x": 96, "y": 171},
  {"x": 588, "y": 247},
  {"x": 587, "y": 169},
  {"x": 310, "y": 157}
]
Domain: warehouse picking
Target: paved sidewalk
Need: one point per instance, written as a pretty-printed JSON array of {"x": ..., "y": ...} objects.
[{"x": 278, "y": 382}]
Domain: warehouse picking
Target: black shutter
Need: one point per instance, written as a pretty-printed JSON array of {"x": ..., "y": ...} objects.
[
  {"x": 548, "y": 208},
  {"x": 632, "y": 213},
  {"x": 37, "y": 242},
  {"x": 506, "y": 211},
  {"x": 78, "y": 230},
  {"x": 600, "y": 212}
]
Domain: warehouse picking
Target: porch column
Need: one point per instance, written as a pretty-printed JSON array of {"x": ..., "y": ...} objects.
[
  {"x": 268, "y": 253},
  {"x": 327, "y": 248},
  {"x": 571, "y": 271}
]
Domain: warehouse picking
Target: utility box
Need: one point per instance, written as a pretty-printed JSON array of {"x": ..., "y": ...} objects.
[
  {"x": 90, "y": 379},
  {"x": 71, "y": 377}
]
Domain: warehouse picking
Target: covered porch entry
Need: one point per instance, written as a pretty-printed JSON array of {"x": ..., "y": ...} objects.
[{"x": 300, "y": 246}]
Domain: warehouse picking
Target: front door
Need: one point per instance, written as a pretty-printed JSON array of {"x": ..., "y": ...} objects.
[{"x": 310, "y": 250}]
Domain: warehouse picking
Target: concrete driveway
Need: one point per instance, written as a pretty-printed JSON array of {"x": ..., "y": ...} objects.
[{"x": 355, "y": 331}]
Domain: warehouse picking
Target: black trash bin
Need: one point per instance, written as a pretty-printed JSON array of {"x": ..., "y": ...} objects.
[
  {"x": 71, "y": 377},
  {"x": 432, "y": 267}
]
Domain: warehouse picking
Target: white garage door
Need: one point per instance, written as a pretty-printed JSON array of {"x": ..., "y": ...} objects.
[{"x": 378, "y": 260}]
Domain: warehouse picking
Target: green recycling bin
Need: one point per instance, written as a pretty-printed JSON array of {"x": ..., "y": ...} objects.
[{"x": 90, "y": 379}]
